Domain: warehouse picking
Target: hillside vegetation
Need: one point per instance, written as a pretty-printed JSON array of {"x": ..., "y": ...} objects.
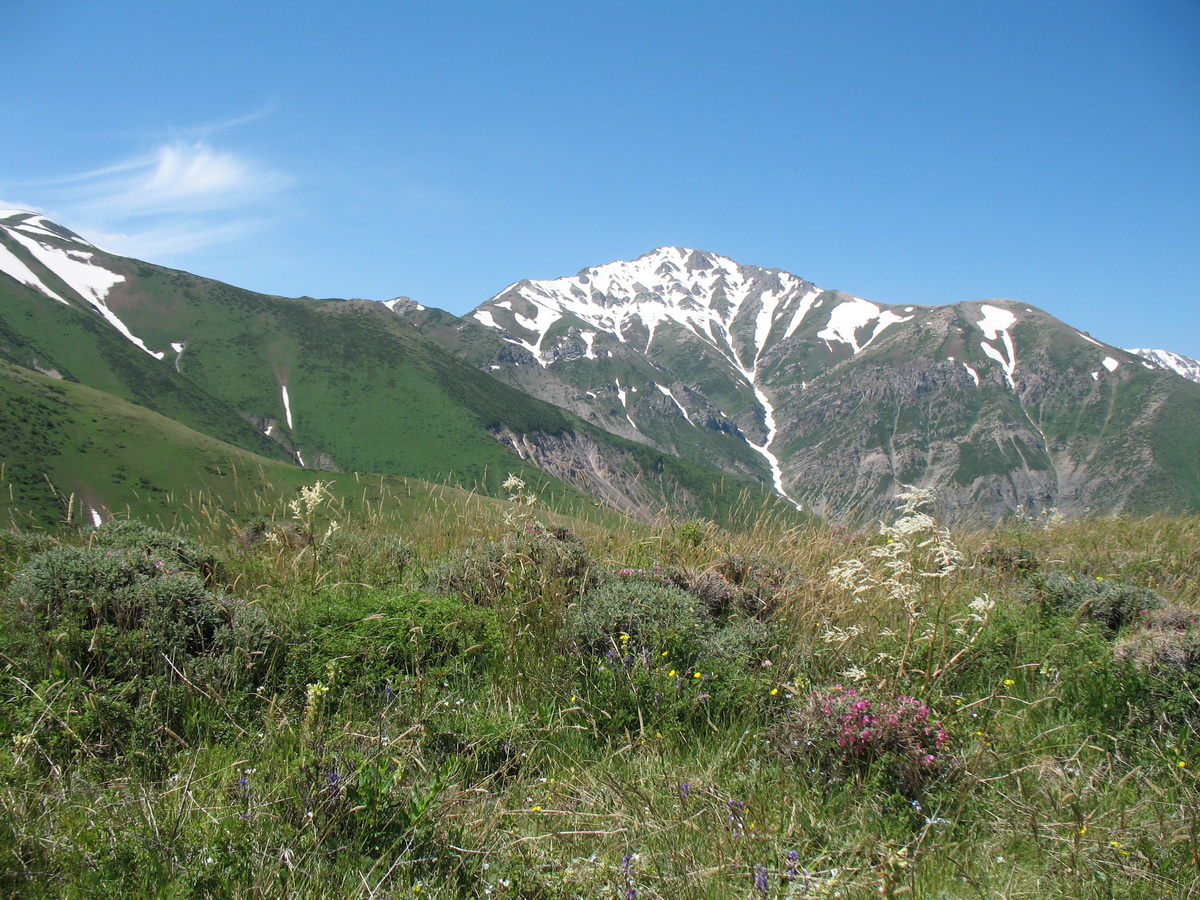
[{"x": 458, "y": 697}]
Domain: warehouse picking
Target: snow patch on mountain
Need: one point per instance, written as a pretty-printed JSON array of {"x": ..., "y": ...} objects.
[
  {"x": 75, "y": 267},
  {"x": 287, "y": 406},
  {"x": 622, "y": 394},
  {"x": 405, "y": 304},
  {"x": 78, "y": 271},
  {"x": 1176, "y": 362},
  {"x": 995, "y": 324},
  {"x": 11, "y": 264},
  {"x": 851, "y": 316},
  {"x": 666, "y": 392}
]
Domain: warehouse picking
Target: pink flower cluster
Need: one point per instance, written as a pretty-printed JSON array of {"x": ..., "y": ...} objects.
[{"x": 862, "y": 727}]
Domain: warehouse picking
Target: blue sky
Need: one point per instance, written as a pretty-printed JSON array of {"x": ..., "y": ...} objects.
[{"x": 917, "y": 152}]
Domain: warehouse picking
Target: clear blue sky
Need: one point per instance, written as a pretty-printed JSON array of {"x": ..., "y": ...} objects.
[{"x": 907, "y": 152}]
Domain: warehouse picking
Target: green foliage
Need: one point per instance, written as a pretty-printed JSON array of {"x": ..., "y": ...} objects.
[
  {"x": 553, "y": 562},
  {"x": 376, "y": 643},
  {"x": 652, "y": 658},
  {"x": 116, "y": 644},
  {"x": 1112, "y": 604},
  {"x": 649, "y": 613},
  {"x": 576, "y": 730}
]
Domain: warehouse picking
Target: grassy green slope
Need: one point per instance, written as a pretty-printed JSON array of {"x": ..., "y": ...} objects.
[
  {"x": 79, "y": 346},
  {"x": 64, "y": 440},
  {"x": 67, "y": 445}
]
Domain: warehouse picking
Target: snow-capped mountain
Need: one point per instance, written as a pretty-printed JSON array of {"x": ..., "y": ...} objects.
[
  {"x": 1176, "y": 362},
  {"x": 67, "y": 261},
  {"x": 831, "y": 398}
]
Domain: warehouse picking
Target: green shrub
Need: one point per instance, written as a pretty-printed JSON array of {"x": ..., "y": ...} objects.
[
  {"x": 553, "y": 565},
  {"x": 651, "y": 614},
  {"x": 651, "y": 658},
  {"x": 1112, "y": 604},
  {"x": 115, "y": 645},
  {"x": 124, "y": 613},
  {"x": 174, "y": 550},
  {"x": 1008, "y": 558}
]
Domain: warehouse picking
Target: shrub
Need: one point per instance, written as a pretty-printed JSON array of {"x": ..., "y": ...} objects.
[
  {"x": 648, "y": 612},
  {"x": 1008, "y": 558},
  {"x": 652, "y": 657},
  {"x": 126, "y": 613},
  {"x": 550, "y": 564},
  {"x": 175, "y": 550},
  {"x": 121, "y": 641},
  {"x": 1112, "y": 604},
  {"x": 760, "y": 582},
  {"x": 735, "y": 585},
  {"x": 1168, "y": 639}
]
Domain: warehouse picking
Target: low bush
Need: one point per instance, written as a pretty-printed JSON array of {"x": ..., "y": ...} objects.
[
  {"x": 552, "y": 564},
  {"x": 114, "y": 644},
  {"x": 1112, "y": 604},
  {"x": 373, "y": 646}
]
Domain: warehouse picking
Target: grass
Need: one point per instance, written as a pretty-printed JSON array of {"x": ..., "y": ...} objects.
[{"x": 614, "y": 710}]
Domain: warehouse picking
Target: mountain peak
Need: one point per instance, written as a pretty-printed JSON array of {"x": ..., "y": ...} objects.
[{"x": 35, "y": 225}]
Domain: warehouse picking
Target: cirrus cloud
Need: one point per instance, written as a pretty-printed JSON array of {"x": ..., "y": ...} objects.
[{"x": 181, "y": 196}]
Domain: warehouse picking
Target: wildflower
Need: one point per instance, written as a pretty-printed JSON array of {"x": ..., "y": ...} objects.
[
  {"x": 698, "y": 675},
  {"x": 537, "y": 809},
  {"x": 774, "y": 692},
  {"x": 1182, "y": 764},
  {"x": 684, "y": 790},
  {"x": 1009, "y": 682},
  {"x": 671, "y": 674},
  {"x": 760, "y": 879}
]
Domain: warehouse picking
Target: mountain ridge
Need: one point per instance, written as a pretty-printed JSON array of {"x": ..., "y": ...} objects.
[
  {"x": 827, "y": 399},
  {"x": 327, "y": 384}
]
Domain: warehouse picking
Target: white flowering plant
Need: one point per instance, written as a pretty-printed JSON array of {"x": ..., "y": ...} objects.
[{"x": 904, "y": 588}]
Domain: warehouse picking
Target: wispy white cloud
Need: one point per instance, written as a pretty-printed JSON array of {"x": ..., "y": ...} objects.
[
  {"x": 177, "y": 178},
  {"x": 181, "y": 196}
]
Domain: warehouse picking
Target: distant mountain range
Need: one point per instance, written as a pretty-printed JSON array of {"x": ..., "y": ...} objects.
[{"x": 681, "y": 379}]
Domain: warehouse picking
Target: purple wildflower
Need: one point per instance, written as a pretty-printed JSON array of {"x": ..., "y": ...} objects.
[{"x": 760, "y": 879}]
